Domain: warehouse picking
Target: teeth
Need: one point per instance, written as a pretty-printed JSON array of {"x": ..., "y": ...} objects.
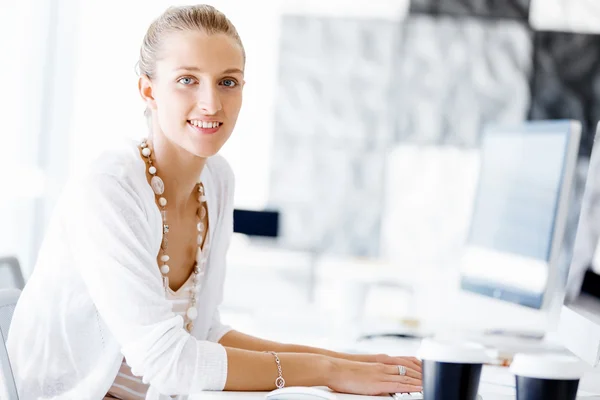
[{"x": 205, "y": 124}]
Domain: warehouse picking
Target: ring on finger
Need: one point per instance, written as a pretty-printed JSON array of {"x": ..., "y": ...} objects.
[{"x": 401, "y": 370}]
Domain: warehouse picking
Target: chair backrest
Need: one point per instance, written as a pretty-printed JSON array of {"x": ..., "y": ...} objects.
[
  {"x": 8, "y": 301},
  {"x": 10, "y": 267}
]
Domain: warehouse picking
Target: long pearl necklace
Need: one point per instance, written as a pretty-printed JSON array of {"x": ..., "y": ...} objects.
[{"x": 158, "y": 187}]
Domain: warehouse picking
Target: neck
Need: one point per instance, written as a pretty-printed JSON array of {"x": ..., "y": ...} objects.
[{"x": 179, "y": 169}]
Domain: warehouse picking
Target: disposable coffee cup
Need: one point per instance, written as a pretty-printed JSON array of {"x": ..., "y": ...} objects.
[
  {"x": 451, "y": 370},
  {"x": 547, "y": 376}
]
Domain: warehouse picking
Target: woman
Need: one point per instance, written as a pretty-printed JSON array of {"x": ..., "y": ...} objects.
[{"x": 123, "y": 302}]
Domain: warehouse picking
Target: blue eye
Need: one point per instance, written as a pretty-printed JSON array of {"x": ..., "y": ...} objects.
[
  {"x": 186, "y": 81},
  {"x": 229, "y": 83}
]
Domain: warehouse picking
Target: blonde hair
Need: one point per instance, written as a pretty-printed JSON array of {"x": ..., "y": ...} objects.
[{"x": 200, "y": 17}]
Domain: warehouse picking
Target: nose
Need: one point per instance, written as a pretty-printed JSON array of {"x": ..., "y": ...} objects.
[{"x": 209, "y": 99}]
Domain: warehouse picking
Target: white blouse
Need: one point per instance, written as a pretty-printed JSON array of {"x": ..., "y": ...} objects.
[
  {"x": 96, "y": 293},
  {"x": 127, "y": 386}
]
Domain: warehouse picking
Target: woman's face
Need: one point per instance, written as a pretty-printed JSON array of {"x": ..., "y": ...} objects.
[{"x": 196, "y": 93}]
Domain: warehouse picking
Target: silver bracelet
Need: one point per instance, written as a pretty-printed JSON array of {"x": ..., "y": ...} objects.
[{"x": 279, "y": 382}]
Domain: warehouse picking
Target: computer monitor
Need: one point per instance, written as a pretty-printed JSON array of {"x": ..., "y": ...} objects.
[
  {"x": 579, "y": 323},
  {"x": 509, "y": 270},
  {"x": 520, "y": 211}
]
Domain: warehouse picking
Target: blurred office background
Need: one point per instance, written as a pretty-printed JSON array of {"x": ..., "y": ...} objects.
[{"x": 358, "y": 134}]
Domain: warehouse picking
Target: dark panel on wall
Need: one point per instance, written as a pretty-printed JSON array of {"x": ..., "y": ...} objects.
[
  {"x": 513, "y": 9},
  {"x": 256, "y": 223},
  {"x": 566, "y": 82}
]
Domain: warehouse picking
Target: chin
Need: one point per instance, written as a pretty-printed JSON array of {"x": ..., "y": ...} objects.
[
  {"x": 203, "y": 150},
  {"x": 206, "y": 144}
]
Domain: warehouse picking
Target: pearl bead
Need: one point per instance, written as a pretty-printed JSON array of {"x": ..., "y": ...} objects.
[
  {"x": 158, "y": 186},
  {"x": 162, "y": 201},
  {"x": 189, "y": 326},
  {"x": 152, "y": 170},
  {"x": 165, "y": 258},
  {"x": 146, "y": 152},
  {"x": 202, "y": 198},
  {"x": 200, "y": 227},
  {"x": 200, "y": 240},
  {"x": 192, "y": 313},
  {"x": 144, "y": 145},
  {"x": 165, "y": 269}
]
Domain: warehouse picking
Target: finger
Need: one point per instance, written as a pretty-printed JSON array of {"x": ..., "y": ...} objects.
[
  {"x": 414, "y": 359},
  {"x": 414, "y": 374},
  {"x": 413, "y": 362},
  {"x": 409, "y": 362},
  {"x": 410, "y": 370},
  {"x": 395, "y": 387},
  {"x": 417, "y": 363},
  {"x": 404, "y": 380}
]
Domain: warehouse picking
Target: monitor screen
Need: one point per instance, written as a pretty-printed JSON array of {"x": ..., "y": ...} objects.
[
  {"x": 517, "y": 224},
  {"x": 520, "y": 180},
  {"x": 584, "y": 229}
]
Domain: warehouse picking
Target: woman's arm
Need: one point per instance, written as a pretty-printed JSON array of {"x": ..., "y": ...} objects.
[
  {"x": 235, "y": 339},
  {"x": 252, "y": 370},
  {"x": 240, "y": 340},
  {"x": 257, "y": 371}
]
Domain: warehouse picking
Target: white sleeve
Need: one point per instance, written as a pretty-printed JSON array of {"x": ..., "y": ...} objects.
[
  {"x": 112, "y": 246},
  {"x": 217, "y": 329}
]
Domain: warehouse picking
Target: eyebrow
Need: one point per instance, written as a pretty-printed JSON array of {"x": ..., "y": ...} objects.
[{"x": 227, "y": 71}]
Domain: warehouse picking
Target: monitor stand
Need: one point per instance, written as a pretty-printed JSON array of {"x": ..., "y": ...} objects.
[{"x": 579, "y": 328}]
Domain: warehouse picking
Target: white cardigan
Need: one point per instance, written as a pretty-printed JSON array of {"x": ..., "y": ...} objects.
[{"x": 96, "y": 293}]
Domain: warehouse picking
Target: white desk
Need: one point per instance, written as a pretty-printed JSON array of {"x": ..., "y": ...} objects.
[
  {"x": 487, "y": 392},
  {"x": 261, "y": 395}
]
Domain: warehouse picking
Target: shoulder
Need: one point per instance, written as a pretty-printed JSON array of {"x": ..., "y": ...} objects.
[
  {"x": 220, "y": 169},
  {"x": 222, "y": 175},
  {"x": 116, "y": 173},
  {"x": 120, "y": 160}
]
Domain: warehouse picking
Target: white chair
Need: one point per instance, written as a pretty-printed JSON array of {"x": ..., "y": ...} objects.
[
  {"x": 8, "y": 301},
  {"x": 10, "y": 270}
]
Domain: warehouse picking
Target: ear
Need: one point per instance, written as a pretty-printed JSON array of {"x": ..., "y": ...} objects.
[{"x": 146, "y": 91}]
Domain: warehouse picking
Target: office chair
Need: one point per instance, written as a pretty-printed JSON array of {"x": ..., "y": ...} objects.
[
  {"x": 14, "y": 268},
  {"x": 8, "y": 301}
]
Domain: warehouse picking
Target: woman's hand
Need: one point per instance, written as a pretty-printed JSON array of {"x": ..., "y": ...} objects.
[
  {"x": 374, "y": 378},
  {"x": 412, "y": 364}
]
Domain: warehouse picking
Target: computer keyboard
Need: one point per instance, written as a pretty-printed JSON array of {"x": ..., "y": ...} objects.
[
  {"x": 408, "y": 396},
  {"x": 414, "y": 396}
]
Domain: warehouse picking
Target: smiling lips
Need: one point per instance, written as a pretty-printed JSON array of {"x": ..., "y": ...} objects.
[{"x": 205, "y": 127}]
